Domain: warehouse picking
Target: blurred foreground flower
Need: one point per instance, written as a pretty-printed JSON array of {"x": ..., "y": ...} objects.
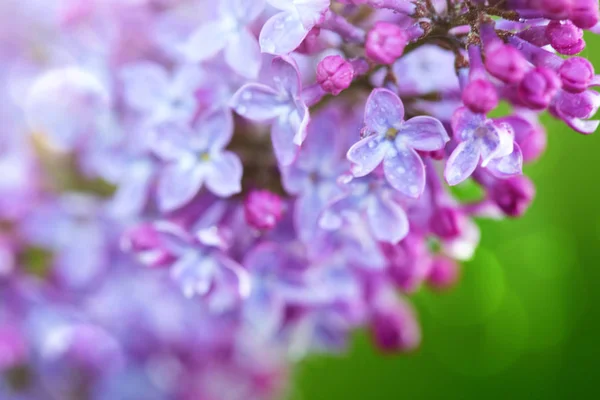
[{"x": 282, "y": 169}]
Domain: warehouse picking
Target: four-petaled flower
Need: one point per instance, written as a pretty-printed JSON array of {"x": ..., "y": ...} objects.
[
  {"x": 395, "y": 142},
  {"x": 481, "y": 140},
  {"x": 196, "y": 157},
  {"x": 284, "y": 31},
  {"x": 149, "y": 90},
  {"x": 230, "y": 33},
  {"x": 282, "y": 103}
]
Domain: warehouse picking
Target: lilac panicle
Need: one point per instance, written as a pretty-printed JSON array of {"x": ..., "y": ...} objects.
[{"x": 195, "y": 192}]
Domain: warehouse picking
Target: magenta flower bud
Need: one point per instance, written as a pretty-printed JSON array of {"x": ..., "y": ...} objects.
[
  {"x": 13, "y": 348},
  {"x": 538, "y": 87},
  {"x": 334, "y": 74},
  {"x": 148, "y": 246},
  {"x": 576, "y": 74},
  {"x": 480, "y": 96},
  {"x": 395, "y": 329},
  {"x": 443, "y": 274},
  {"x": 584, "y": 13},
  {"x": 385, "y": 42},
  {"x": 565, "y": 37},
  {"x": 529, "y": 135},
  {"x": 555, "y": 8},
  {"x": 447, "y": 223},
  {"x": 513, "y": 195},
  {"x": 505, "y": 62},
  {"x": 263, "y": 209}
]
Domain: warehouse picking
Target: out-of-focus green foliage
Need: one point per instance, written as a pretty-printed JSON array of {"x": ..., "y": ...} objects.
[{"x": 524, "y": 323}]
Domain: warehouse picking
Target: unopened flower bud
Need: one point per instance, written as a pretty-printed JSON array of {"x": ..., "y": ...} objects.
[
  {"x": 480, "y": 96},
  {"x": 505, "y": 62},
  {"x": 394, "y": 328},
  {"x": 443, "y": 273},
  {"x": 334, "y": 74},
  {"x": 263, "y": 209},
  {"x": 385, "y": 42},
  {"x": 514, "y": 195},
  {"x": 576, "y": 74},
  {"x": 565, "y": 37},
  {"x": 538, "y": 87}
]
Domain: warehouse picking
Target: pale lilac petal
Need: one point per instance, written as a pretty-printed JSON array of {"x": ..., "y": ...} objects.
[
  {"x": 132, "y": 193},
  {"x": 258, "y": 102},
  {"x": 178, "y": 184},
  {"x": 282, "y": 136},
  {"x": 311, "y": 12},
  {"x": 462, "y": 162},
  {"x": 213, "y": 131},
  {"x": 508, "y": 165},
  {"x": 145, "y": 85},
  {"x": 367, "y": 154},
  {"x": 286, "y": 76},
  {"x": 384, "y": 110},
  {"x": 287, "y": 5},
  {"x": 206, "y": 41},
  {"x": 282, "y": 33},
  {"x": 299, "y": 120},
  {"x": 170, "y": 141},
  {"x": 498, "y": 142},
  {"x": 242, "y": 54},
  {"x": 465, "y": 123},
  {"x": 307, "y": 211},
  {"x": 423, "y": 133},
  {"x": 244, "y": 11},
  {"x": 194, "y": 273},
  {"x": 387, "y": 220},
  {"x": 224, "y": 177},
  {"x": 404, "y": 170}
]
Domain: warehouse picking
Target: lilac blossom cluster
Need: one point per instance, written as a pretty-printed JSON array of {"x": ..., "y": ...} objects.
[{"x": 281, "y": 168}]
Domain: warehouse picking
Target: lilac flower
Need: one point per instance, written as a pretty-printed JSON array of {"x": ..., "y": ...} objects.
[
  {"x": 481, "y": 141},
  {"x": 368, "y": 200},
  {"x": 282, "y": 103},
  {"x": 196, "y": 157},
  {"x": 149, "y": 90},
  {"x": 67, "y": 105},
  {"x": 395, "y": 142},
  {"x": 229, "y": 32},
  {"x": 313, "y": 177},
  {"x": 284, "y": 31}
]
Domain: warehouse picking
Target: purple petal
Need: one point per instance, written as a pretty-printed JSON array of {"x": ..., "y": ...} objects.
[
  {"x": 306, "y": 214},
  {"x": 405, "y": 171},
  {"x": 282, "y": 136},
  {"x": 178, "y": 184},
  {"x": 282, "y": 33},
  {"x": 509, "y": 165},
  {"x": 462, "y": 162},
  {"x": 194, "y": 273},
  {"x": 465, "y": 123},
  {"x": 170, "y": 141},
  {"x": 497, "y": 142},
  {"x": 286, "y": 76},
  {"x": 258, "y": 102},
  {"x": 387, "y": 220},
  {"x": 145, "y": 84},
  {"x": 224, "y": 177},
  {"x": 210, "y": 38},
  {"x": 367, "y": 154},
  {"x": 423, "y": 133},
  {"x": 244, "y": 11},
  {"x": 213, "y": 131},
  {"x": 384, "y": 110},
  {"x": 242, "y": 54}
]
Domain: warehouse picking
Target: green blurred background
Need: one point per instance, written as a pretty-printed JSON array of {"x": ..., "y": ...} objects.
[{"x": 523, "y": 323}]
